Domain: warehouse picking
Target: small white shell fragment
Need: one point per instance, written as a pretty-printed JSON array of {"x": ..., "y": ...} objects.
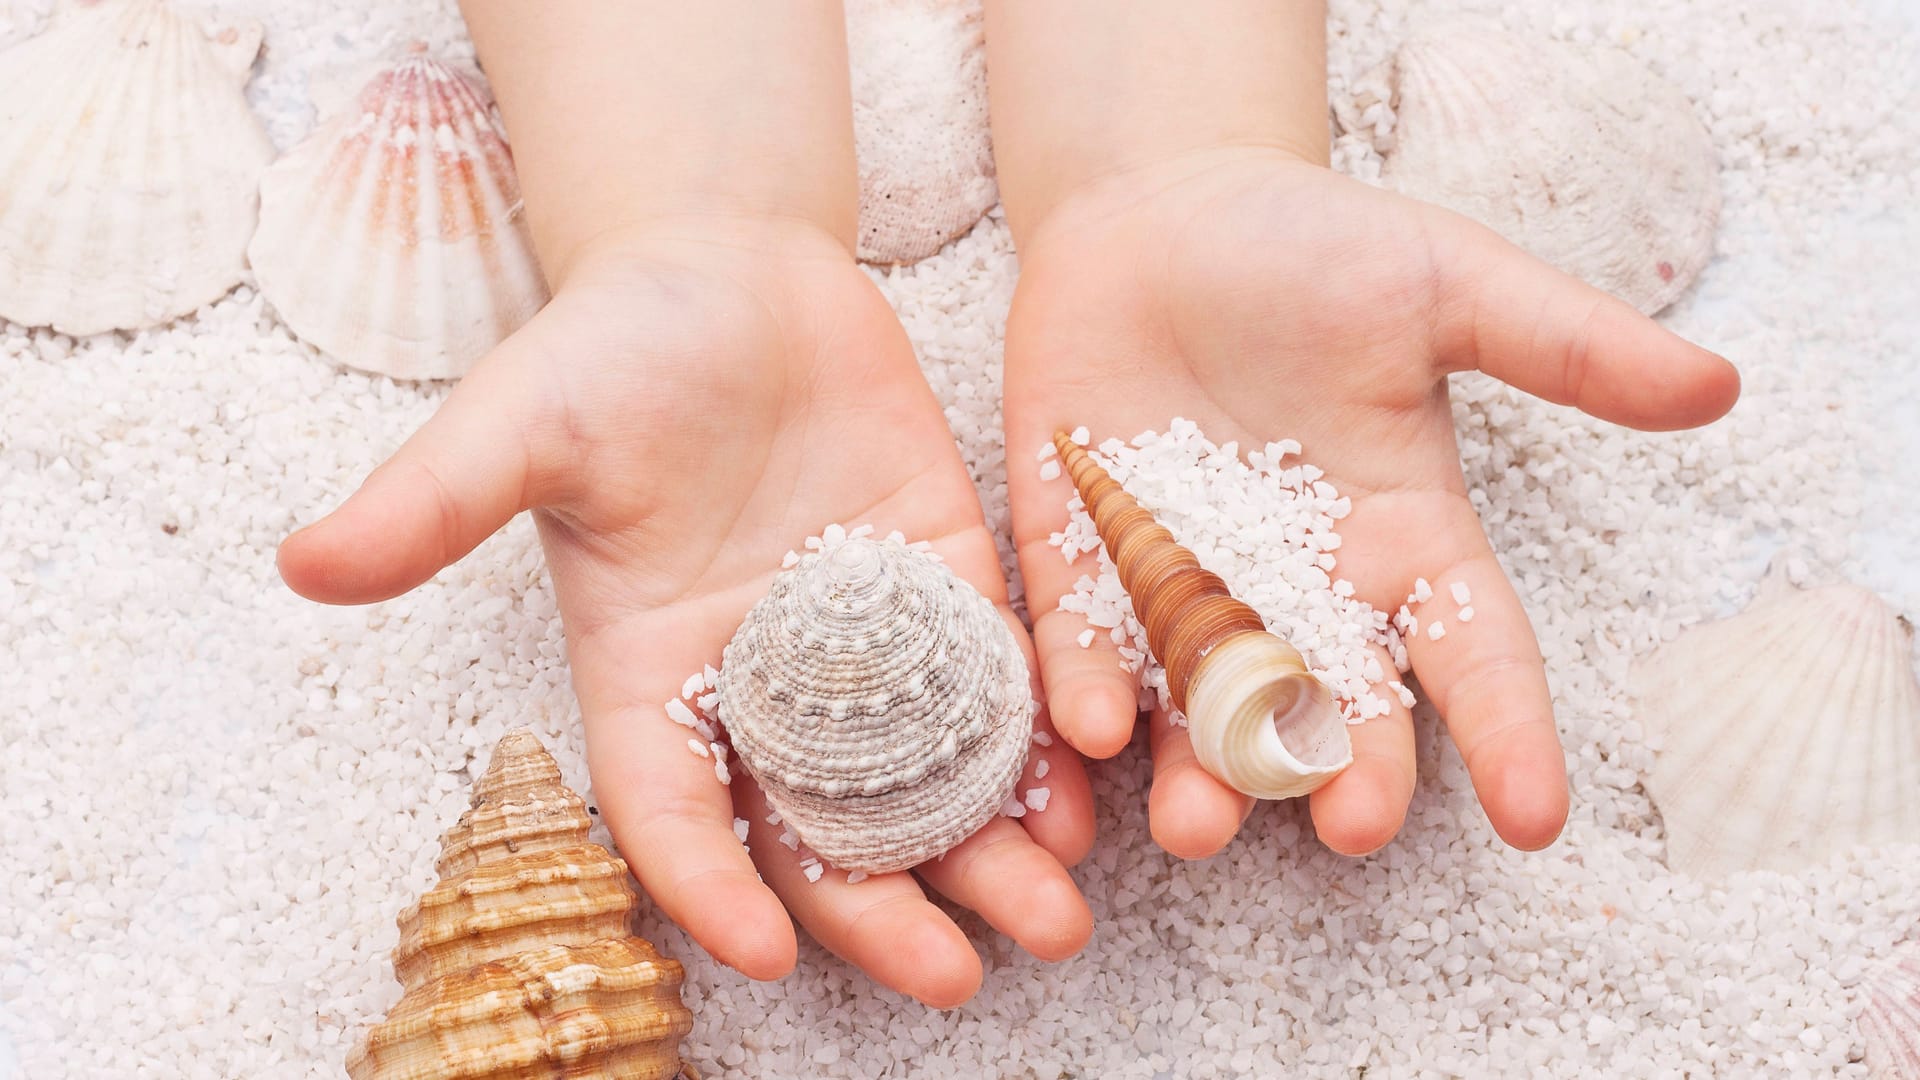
[
  {"x": 722, "y": 773},
  {"x": 813, "y": 870},
  {"x": 1086, "y": 638},
  {"x": 1533, "y": 137},
  {"x": 1787, "y": 733},
  {"x": 1422, "y": 592},
  {"x": 1050, "y": 470},
  {"x": 698, "y": 747},
  {"x": 678, "y": 712},
  {"x": 920, "y": 130},
  {"x": 1037, "y": 798},
  {"x": 1047, "y": 450},
  {"x": 1041, "y": 768},
  {"x": 392, "y": 238},
  {"x": 1041, "y": 738},
  {"x": 740, "y": 828},
  {"x": 881, "y": 703},
  {"x": 693, "y": 686},
  {"x": 1461, "y": 594},
  {"x": 1465, "y": 614},
  {"x": 129, "y": 161},
  {"x": 855, "y": 877},
  {"x": 1436, "y": 630},
  {"x": 1013, "y": 807},
  {"x": 1081, "y": 436}
]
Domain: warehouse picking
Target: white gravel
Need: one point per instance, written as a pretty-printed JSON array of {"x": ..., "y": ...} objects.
[{"x": 214, "y": 797}]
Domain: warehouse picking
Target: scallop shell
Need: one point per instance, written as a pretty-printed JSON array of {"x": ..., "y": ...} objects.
[
  {"x": 520, "y": 963},
  {"x": 1890, "y": 1022},
  {"x": 391, "y": 237},
  {"x": 1580, "y": 155},
  {"x": 919, "y": 72},
  {"x": 1259, "y": 720},
  {"x": 128, "y": 159},
  {"x": 1787, "y": 733},
  {"x": 880, "y": 702}
]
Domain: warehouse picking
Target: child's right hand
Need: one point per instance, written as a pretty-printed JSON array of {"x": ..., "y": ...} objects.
[{"x": 700, "y": 396}]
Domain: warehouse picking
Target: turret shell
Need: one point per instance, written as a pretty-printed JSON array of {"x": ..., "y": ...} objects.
[
  {"x": 1261, "y": 723},
  {"x": 392, "y": 238},
  {"x": 881, "y": 703},
  {"x": 1580, "y": 155},
  {"x": 128, "y": 165},
  {"x": 520, "y": 963}
]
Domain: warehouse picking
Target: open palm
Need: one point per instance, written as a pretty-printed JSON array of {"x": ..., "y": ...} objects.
[
  {"x": 681, "y": 415},
  {"x": 1267, "y": 298}
]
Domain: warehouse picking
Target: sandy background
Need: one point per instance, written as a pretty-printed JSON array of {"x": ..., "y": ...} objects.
[{"x": 214, "y": 796}]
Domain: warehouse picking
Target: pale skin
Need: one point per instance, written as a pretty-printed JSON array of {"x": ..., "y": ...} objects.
[{"x": 715, "y": 380}]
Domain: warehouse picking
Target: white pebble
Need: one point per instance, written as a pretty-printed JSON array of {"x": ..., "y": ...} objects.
[
  {"x": 1436, "y": 630},
  {"x": 1037, "y": 798},
  {"x": 1050, "y": 470},
  {"x": 1086, "y": 638},
  {"x": 1461, "y": 595},
  {"x": 1041, "y": 768},
  {"x": 1465, "y": 614},
  {"x": 697, "y": 747}
]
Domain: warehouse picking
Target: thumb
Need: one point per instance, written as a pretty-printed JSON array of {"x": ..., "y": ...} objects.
[
  {"x": 461, "y": 477},
  {"x": 1518, "y": 319}
]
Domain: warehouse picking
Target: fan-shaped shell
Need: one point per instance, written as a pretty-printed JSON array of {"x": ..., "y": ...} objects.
[
  {"x": 520, "y": 963},
  {"x": 881, "y": 703},
  {"x": 391, "y": 237},
  {"x": 1787, "y": 733},
  {"x": 1890, "y": 1021},
  {"x": 1259, "y": 720},
  {"x": 919, "y": 71},
  {"x": 1580, "y": 155},
  {"x": 128, "y": 164}
]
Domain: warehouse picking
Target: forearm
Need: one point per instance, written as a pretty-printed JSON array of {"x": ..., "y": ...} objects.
[
  {"x": 1083, "y": 89},
  {"x": 622, "y": 114}
]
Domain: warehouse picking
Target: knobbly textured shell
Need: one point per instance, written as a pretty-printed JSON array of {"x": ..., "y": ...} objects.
[
  {"x": 919, "y": 71},
  {"x": 1260, "y": 722},
  {"x": 1786, "y": 733},
  {"x": 128, "y": 164},
  {"x": 1578, "y": 154},
  {"x": 1890, "y": 1022},
  {"x": 520, "y": 963},
  {"x": 391, "y": 238},
  {"x": 881, "y": 703}
]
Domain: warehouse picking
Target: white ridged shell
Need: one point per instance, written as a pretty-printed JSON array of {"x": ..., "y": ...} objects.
[
  {"x": 1890, "y": 1021},
  {"x": 1786, "y": 733},
  {"x": 1580, "y": 155},
  {"x": 391, "y": 237},
  {"x": 128, "y": 165},
  {"x": 919, "y": 70},
  {"x": 21, "y": 19},
  {"x": 881, "y": 703}
]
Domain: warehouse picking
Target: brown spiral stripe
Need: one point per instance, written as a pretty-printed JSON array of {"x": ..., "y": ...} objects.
[{"x": 1185, "y": 609}]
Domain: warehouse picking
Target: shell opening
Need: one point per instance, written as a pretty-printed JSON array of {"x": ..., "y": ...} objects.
[
  {"x": 1300, "y": 722},
  {"x": 1261, "y": 723}
]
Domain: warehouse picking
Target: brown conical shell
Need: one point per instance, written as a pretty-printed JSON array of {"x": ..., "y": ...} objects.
[
  {"x": 521, "y": 962},
  {"x": 1260, "y": 722}
]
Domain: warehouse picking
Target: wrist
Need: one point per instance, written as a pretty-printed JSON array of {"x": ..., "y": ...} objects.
[
  {"x": 709, "y": 235},
  {"x": 1089, "y": 201}
]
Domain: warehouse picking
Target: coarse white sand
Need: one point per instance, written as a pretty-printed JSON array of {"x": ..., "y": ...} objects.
[{"x": 214, "y": 796}]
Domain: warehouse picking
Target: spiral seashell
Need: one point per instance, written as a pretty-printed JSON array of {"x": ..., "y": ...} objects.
[
  {"x": 521, "y": 962},
  {"x": 391, "y": 237},
  {"x": 1259, "y": 720},
  {"x": 1580, "y": 155},
  {"x": 1787, "y": 733},
  {"x": 881, "y": 704},
  {"x": 919, "y": 84},
  {"x": 128, "y": 164},
  {"x": 1890, "y": 1022}
]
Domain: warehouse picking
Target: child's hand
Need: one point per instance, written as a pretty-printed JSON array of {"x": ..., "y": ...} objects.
[
  {"x": 1269, "y": 298},
  {"x": 697, "y": 400}
]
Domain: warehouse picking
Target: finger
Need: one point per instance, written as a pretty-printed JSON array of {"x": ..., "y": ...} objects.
[
  {"x": 449, "y": 487},
  {"x": 1550, "y": 334},
  {"x": 673, "y": 821},
  {"x": 1056, "y": 798},
  {"x": 1017, "y": 886},
  {"x": 883, "y": 925},
  {"x": 1090, "y": 692},
  {"x": 1190, "y": 814},
  {"x": 1488, "y": 680},
  {"x": 1360, "y": 810}
]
